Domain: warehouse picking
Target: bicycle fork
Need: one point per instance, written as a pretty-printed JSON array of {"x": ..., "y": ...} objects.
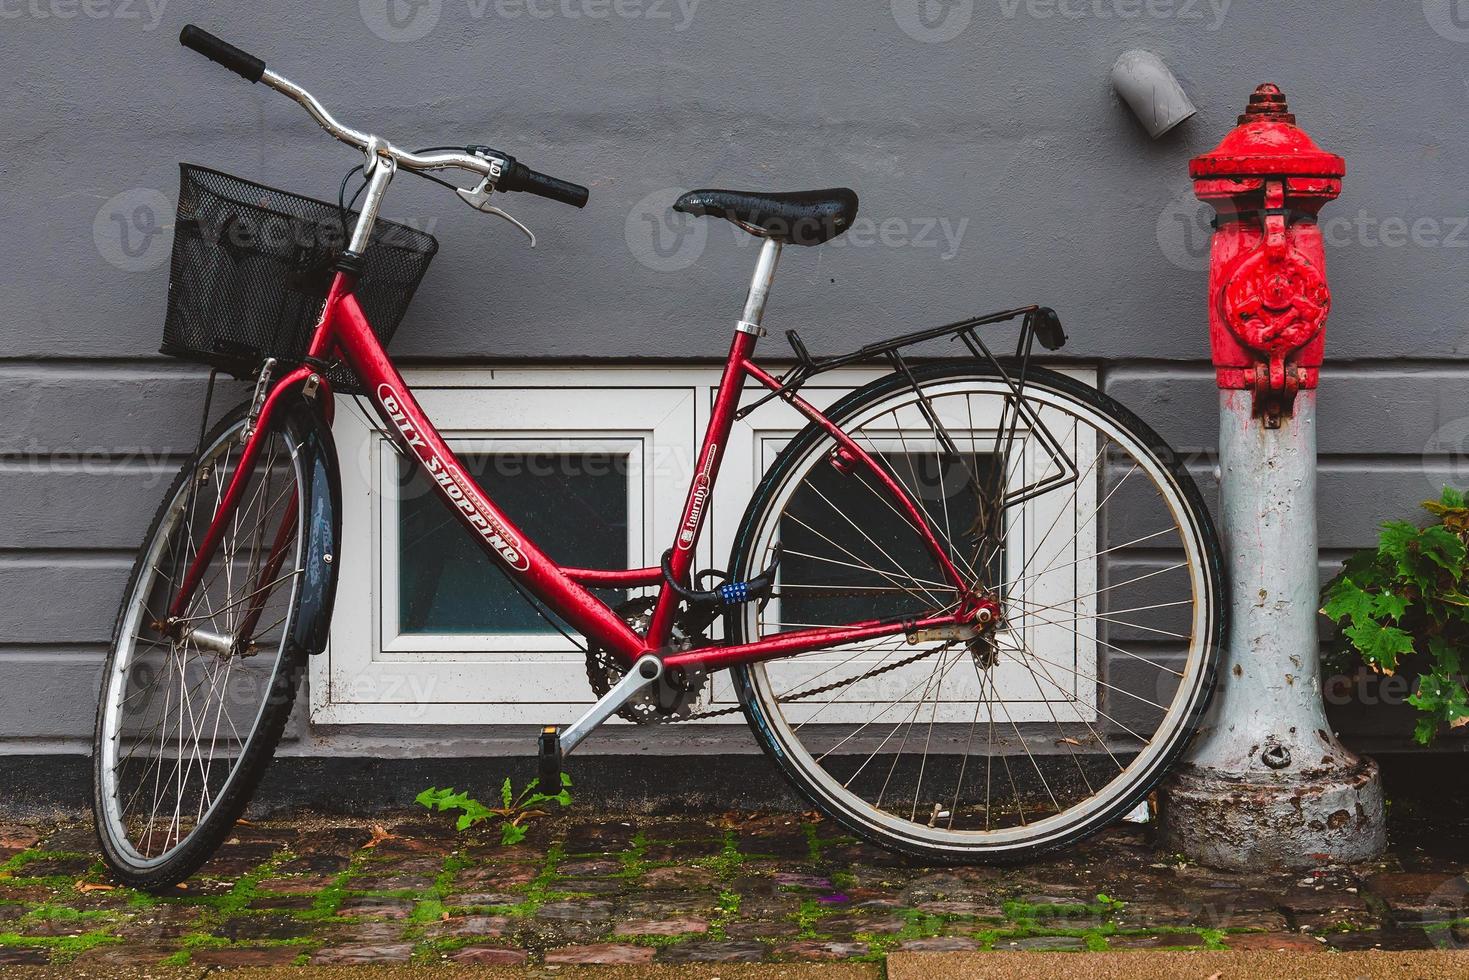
[{"x": 308, "y": 383}]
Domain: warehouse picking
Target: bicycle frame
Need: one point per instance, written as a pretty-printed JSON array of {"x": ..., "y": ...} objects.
[{"x": 344, "y": 332}]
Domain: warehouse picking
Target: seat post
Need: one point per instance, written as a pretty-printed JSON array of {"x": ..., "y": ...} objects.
[{"x": 760, "y": 284}]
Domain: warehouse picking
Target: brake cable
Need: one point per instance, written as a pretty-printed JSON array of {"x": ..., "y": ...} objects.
[{"x": 344, "y": 206}]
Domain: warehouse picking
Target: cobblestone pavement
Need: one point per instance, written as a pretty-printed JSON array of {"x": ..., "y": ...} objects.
[{"x": 740, "y": 888}]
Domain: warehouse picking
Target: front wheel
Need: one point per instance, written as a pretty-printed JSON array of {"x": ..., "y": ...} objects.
[
  {"x": 192, "y": 706},
  {"x": 1063, "y": 510}
]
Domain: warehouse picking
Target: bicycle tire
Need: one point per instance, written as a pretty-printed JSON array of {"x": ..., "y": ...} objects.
[
  {"x": 195, "y": 850},
  {"x": 744, "y": 561}
]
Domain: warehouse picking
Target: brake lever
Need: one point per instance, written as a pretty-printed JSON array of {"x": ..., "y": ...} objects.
[{"x": 479, "y": 199}]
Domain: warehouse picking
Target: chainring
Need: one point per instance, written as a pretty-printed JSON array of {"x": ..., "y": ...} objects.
[{"x": 674, "y": 695}]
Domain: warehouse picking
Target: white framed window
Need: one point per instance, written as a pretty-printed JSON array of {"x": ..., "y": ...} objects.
[
  {"x": 594, "y": 464},
  {"x": 1048, "y": 567}
]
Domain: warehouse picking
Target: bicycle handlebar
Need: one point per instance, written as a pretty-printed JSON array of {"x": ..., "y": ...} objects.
[
  {"x": 247, "y": 66},
  {"x": 519, "y": 177},
  {"x": 513, "y": 176}
]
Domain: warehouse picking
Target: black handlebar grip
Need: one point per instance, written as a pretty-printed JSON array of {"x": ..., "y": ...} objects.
[
  {"x": 522, "y": 178},
  {"x": 247, "y": 66}
]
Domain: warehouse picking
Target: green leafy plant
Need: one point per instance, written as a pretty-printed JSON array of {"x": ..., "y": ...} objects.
[
  {"x": 514, "y": 813},
  {"x": 1402, "y": 606}
]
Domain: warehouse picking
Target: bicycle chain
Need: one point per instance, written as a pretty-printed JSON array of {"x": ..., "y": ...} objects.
[{"x": 812, "y": 692}]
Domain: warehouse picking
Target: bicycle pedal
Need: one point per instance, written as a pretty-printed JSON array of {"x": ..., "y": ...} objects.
[{"x": 549, "y": 751}]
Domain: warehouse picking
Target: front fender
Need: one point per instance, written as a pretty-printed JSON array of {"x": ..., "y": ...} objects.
[{"x": 312, "y": 435}]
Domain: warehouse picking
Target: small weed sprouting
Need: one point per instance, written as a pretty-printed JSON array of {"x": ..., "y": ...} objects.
[{"x": 514, "y": 813}]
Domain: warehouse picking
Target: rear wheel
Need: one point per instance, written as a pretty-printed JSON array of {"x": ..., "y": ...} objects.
[
  {"x": 192, "y": 707},
  {"x": 1076, "y": 521}
]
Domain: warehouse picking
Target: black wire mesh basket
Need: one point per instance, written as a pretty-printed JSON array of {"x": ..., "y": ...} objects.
[{"x": 252, "y": 265}]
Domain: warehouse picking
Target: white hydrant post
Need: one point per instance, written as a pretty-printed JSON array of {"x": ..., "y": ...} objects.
[{"x": 1266, "y": 783}]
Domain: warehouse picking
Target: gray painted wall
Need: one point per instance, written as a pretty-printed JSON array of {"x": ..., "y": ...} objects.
[{"x": 995, "y": 166}]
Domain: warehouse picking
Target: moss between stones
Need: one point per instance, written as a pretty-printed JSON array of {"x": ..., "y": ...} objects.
[{"x": 1023, "y": 920}]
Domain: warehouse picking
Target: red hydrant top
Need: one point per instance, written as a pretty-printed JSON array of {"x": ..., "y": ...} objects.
[
  {"x": 1267, "y": 142},
  {"x": 1268, "y": 296}
]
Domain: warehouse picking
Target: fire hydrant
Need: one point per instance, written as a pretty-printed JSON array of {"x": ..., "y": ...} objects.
[{"x": 1266, "y": 783}]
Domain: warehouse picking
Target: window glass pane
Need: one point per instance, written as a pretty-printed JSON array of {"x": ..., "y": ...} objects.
[
  {"x": 842, "y": 533},
  {"x": 573, "y": 505}
]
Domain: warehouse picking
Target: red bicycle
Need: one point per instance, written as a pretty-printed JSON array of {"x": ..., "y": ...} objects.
[{"x": 972, "y": 611}]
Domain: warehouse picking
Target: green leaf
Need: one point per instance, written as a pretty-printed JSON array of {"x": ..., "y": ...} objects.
[
  {"x": 1442, "y": 547},
  {"x": 1389, "y": 605},
  {"x": 1445, "y": 655},
  {"x": 1451, "y": 498},
  {"x": 565, "y": 779},
  {"x": 1345, "y": 600},
  {"x": 1442, "y": 699},
  {"x": 427, "y": 798},
  {"x": 1379, "y": 645},
  {"x": 511, "y": 834},
  {"x": 1396, "y": 538},
  {"x": 563, "y": 797},
  {"x": 1365, "y": 568},
  {"x": 507, "y": 793}
]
